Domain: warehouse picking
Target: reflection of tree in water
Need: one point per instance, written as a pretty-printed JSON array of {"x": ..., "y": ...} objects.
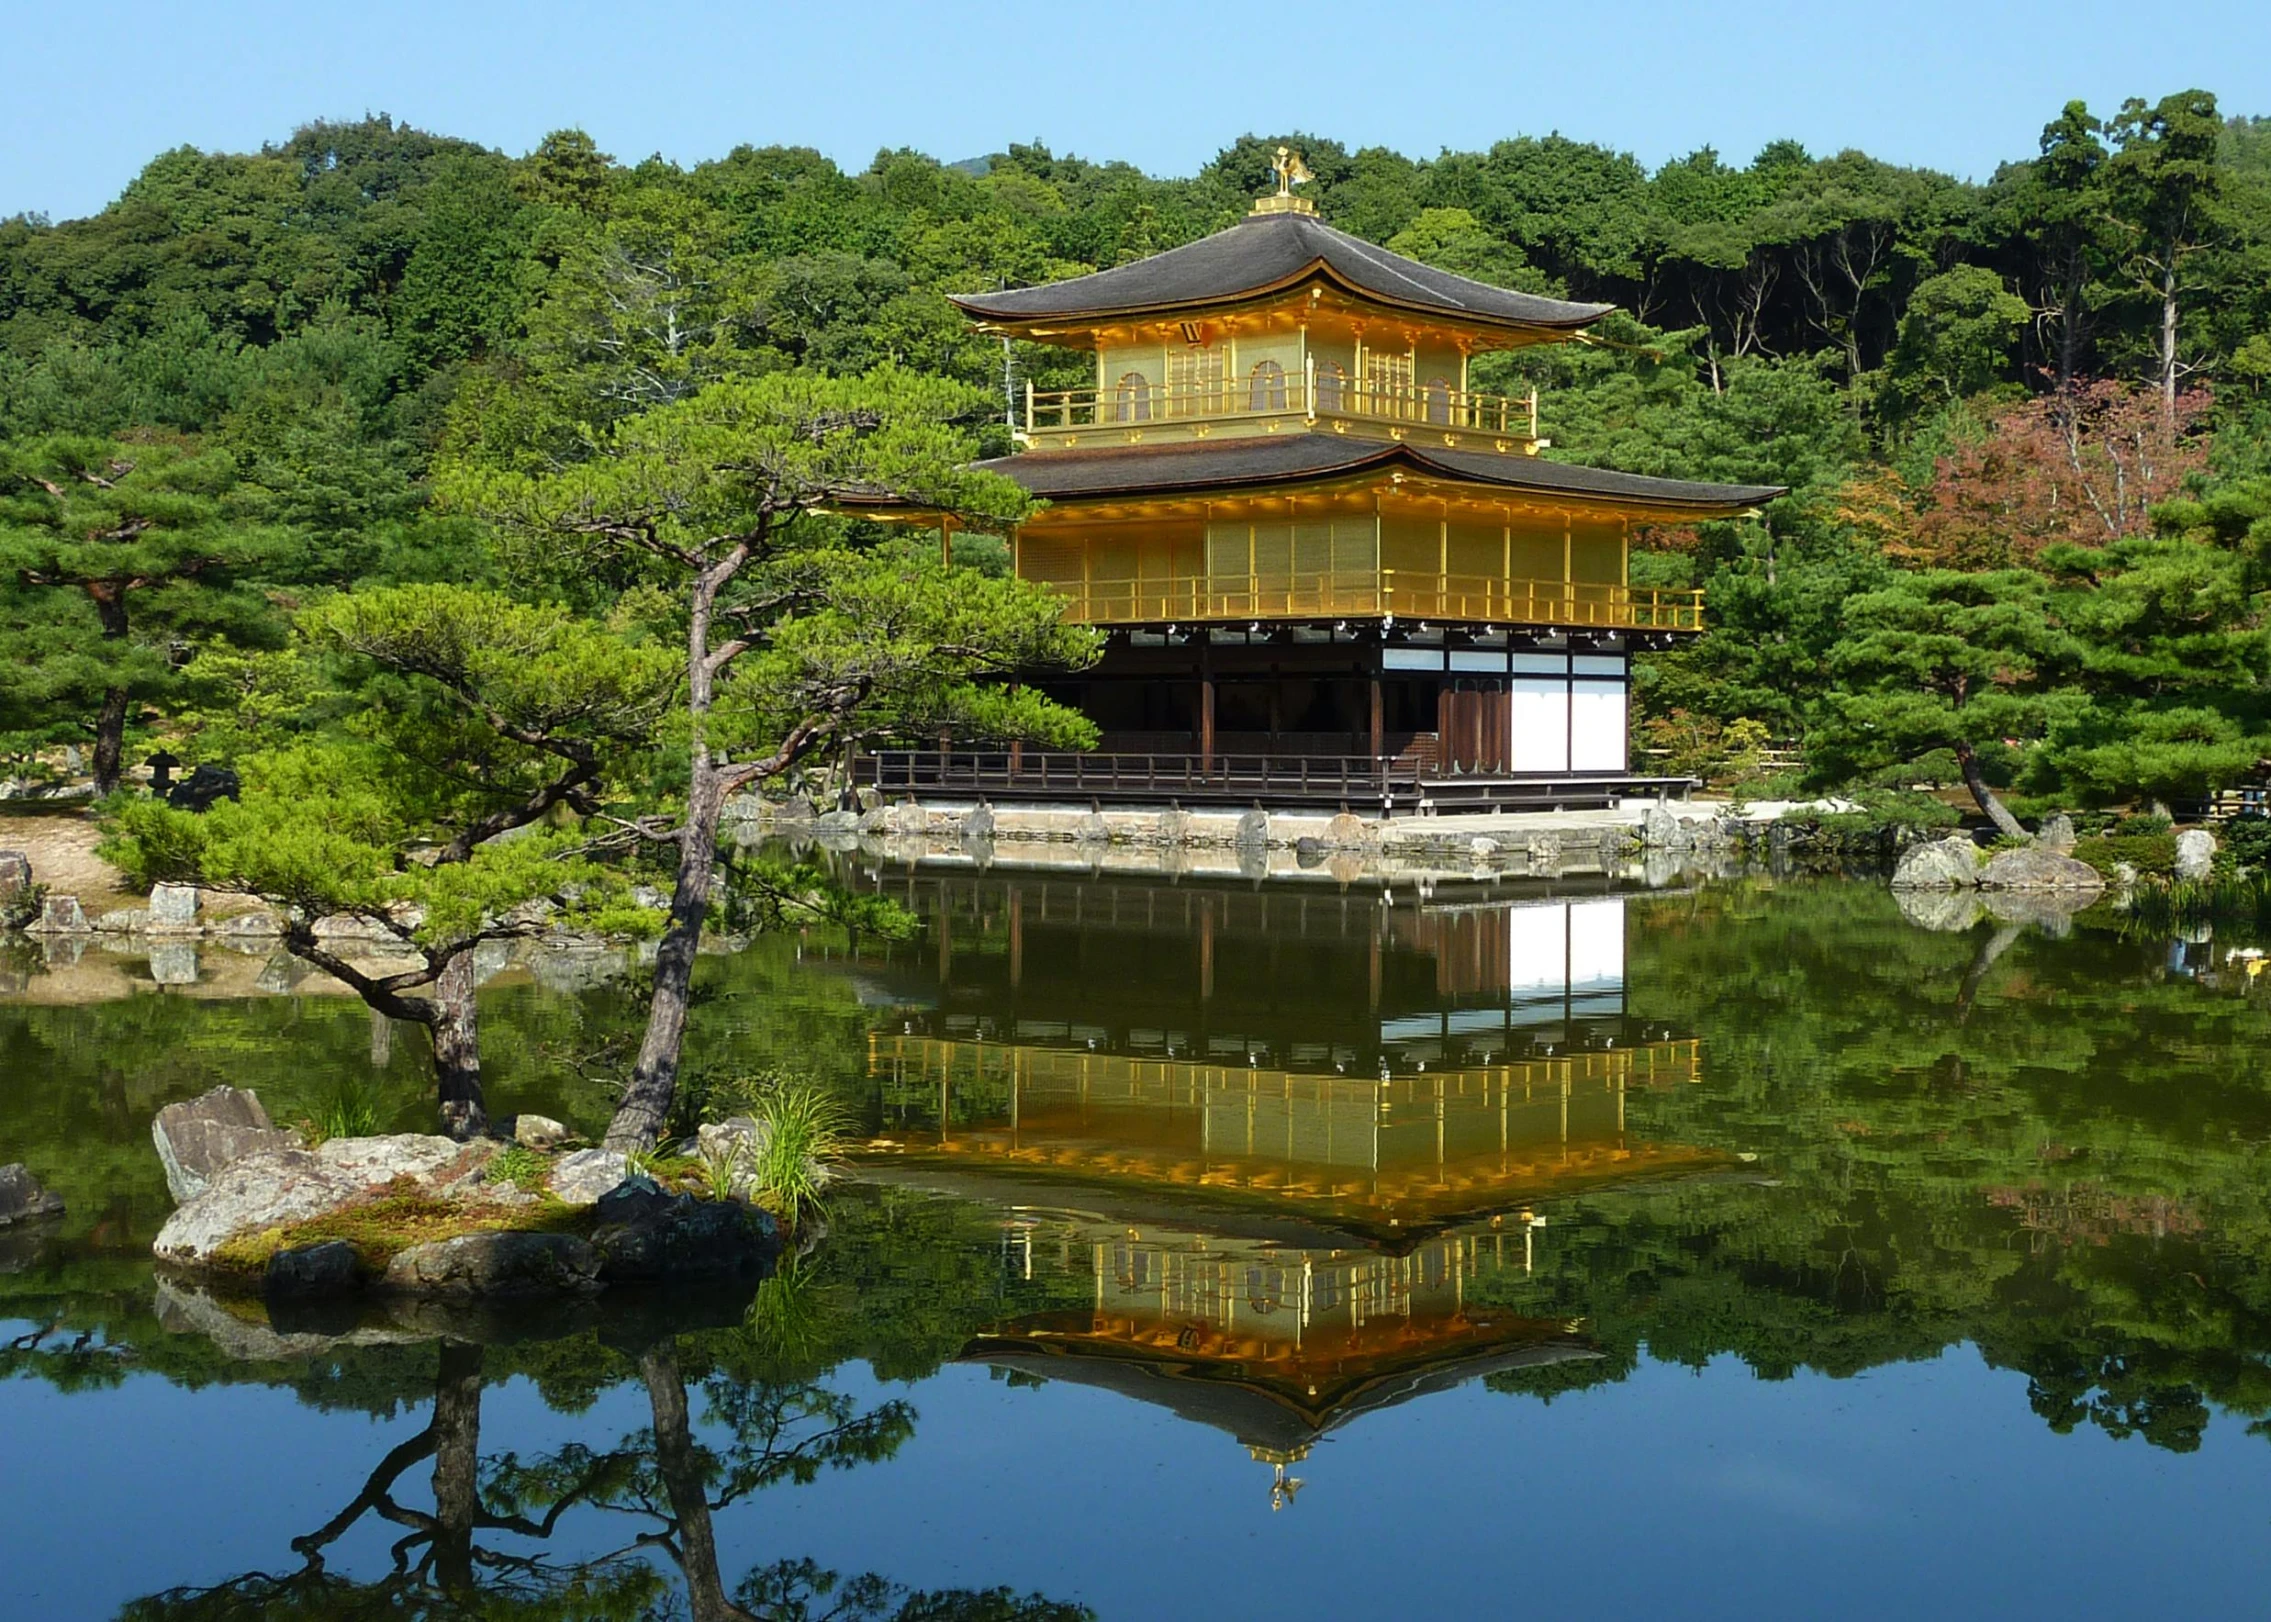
[{"x": 664, "y": 1483}]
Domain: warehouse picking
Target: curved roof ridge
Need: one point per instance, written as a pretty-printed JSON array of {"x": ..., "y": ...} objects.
[{"x": 1264, "y": 253}]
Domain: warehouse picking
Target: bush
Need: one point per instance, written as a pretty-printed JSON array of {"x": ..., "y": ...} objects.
[
  {"x": 2142, "y": 822},
  {"x": 2153, "y": 855},
  {"x": 2249, "y": 841},
  {"x": 1887, "y": 817}
]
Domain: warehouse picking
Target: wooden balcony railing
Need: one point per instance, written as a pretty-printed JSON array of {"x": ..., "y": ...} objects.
[
  {"x": 1304, "y": 393},
  {"x": 1401, "y": 593}
]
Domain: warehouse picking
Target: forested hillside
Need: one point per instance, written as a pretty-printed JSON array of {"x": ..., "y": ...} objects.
[{"x": 2026, "y": 423}]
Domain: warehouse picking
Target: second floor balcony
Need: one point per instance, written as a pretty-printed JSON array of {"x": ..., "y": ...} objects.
[
  {"x": 1405, "y": 595},
  {"x": 1270, "y": 398}
]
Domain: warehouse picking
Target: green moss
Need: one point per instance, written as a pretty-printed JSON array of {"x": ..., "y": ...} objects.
[{"x": 382, "y": 1229}]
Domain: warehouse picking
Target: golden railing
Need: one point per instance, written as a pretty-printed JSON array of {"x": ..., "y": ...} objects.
[
  {"x": 1402, "y": 593},
  {"x": 1126, "y": 405}
]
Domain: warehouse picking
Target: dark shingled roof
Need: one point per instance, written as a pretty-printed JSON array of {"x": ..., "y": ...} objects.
[
  {"x": 1266, "y": 252},
  {"x": 1295, "y": 458}
]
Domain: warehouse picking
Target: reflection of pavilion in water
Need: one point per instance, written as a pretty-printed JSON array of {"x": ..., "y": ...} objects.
[
  {"x": 1277, "y": 1346},
  {"x": 1274, "y": 1136},
  {"x": 1331, "y": 1063}
]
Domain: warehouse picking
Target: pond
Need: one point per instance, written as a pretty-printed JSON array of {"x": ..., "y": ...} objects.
[{"x": 1731, "y": 1248}]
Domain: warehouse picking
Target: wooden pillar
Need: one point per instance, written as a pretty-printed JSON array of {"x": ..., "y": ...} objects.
[
  {"x": 1206, "y": 720},
  {"x": 1376, "y": 715},
  {"x": 1206, "y": 706},
  {"x": 1016, "y": 938}
]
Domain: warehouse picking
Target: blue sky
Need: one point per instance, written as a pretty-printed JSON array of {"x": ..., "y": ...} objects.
[{"x": 101, "y": 85}]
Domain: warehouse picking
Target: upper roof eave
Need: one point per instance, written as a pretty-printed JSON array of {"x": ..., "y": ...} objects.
[
  {"x": 1316, "y": 271},
  {"x": 1196, "y": 468}
]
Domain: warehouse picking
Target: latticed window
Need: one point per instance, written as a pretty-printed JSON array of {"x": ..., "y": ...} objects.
[
  {"x": 1387, "y": 380},
  {"x": 1131, "y": 402},
  {"x": 1194, "y": 381},
  {"x": 1439, "y": 401},
  {"x": 1266, "y": 387},
  {"x": 1332, "y": 384}
]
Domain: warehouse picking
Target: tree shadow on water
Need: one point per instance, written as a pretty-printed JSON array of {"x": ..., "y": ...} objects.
[{"x": 480, "y": 1550}]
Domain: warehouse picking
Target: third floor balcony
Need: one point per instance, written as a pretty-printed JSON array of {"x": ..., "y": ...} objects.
[{"x": 1270, "y": 398}]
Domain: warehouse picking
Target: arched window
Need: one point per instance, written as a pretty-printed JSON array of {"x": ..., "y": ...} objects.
[
  {"x": 1332, "y": 385},
  {"x": 1132, "y": 401},
  {"x": 1266, "y": 390},
  {"x": 1439, "y": 401}
]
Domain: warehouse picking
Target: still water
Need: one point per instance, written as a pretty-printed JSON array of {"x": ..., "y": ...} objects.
[{"x": 1220, "y": 1250}]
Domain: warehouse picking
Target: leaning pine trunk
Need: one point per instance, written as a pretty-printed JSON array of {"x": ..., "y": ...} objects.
[
  {"x": 1976, "y": 780},
  {"x": 456, "y": 1034},
  {"x": 640, "y": 1118}
]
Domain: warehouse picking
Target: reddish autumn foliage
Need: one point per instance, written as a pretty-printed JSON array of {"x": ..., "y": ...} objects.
[{"x": 2080, "y": 467}]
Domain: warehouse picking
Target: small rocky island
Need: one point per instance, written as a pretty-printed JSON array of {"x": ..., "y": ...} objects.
[{"x": 407, "y": 1217}]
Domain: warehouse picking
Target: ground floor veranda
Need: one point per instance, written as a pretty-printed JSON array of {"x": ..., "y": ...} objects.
[{"x": 1324, "y": 715}]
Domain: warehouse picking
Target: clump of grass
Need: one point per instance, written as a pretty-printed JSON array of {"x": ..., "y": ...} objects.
[
  {"x": 350, "y": 1112},
  {"x": 520, "y": 1166},
  {"x": 801, "y": 1127},
  {"x": 382, "y": 1229}
]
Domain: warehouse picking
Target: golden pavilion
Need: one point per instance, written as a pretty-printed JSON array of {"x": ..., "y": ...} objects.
[{"x": 1328, "y": 567}]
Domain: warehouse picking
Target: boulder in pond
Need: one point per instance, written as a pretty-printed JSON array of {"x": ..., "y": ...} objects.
[
  {"x": 496, "y": 1264},
  {"x": 62, "y": 915},
  {"x": 22, "y": 1199},
  {"x": 2031, "y": 867},
  {"x": 581, "y": 1178},
  {"x": 1939, "y": 864},
  {"x": 658, "y": 1238},
  {"x": 276, "y": 1188},
  {"x": 15, "y": 874},
  {"x": 173, "y": 908},
  {"x": 1254, "y": 830},
  {"x": 1660, "y": 830},
  {"x": 199, "y": 1136},
  {"x": 2056, "y": 833},
  {"x": 539, "y": 1132},
  {"x": 2195, "y": 854}
]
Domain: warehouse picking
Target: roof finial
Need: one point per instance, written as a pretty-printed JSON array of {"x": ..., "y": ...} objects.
[{"x": 1290, "y": 172}]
